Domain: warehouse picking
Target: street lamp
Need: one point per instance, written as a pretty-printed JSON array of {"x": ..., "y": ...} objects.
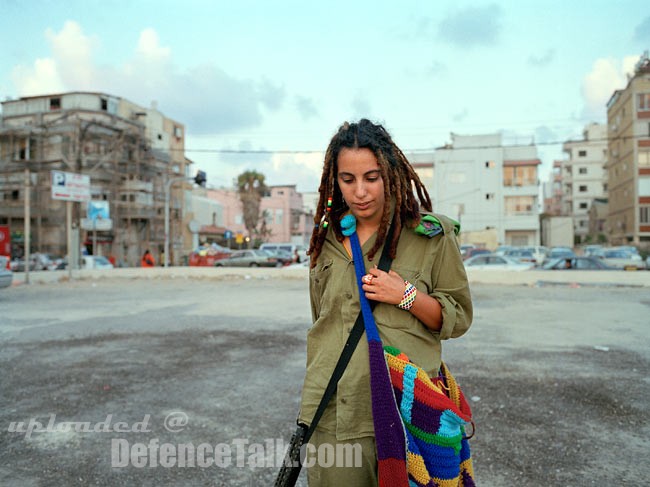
[{"x": 199, "y": 179}]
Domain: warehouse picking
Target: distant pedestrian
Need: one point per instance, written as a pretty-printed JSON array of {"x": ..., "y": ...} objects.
[{"x": 147, "y": 259}]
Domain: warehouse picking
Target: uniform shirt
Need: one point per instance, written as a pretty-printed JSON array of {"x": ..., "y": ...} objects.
[{"x": 434, "y": 266}]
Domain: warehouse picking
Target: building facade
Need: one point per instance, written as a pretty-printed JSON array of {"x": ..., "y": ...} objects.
[
  {"x": 488, "y": 186},
  {"x": 628, "y": 165},
  {"x": 282, "y": 212},
  {"x": 127, "y": 151},
  {"x": 583, "y": 177}
]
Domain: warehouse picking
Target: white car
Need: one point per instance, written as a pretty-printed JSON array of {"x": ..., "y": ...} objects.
[
  {"x": 497, "y": 262},
  {"x": 621, "y": 259},
  {"x": 95, "y": 262}
]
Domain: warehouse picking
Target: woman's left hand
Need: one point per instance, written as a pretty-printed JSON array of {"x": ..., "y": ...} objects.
[{"x": 385, "y": 287}]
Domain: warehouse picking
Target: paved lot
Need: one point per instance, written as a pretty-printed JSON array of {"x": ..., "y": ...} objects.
[{"x": 557, "y": 376}]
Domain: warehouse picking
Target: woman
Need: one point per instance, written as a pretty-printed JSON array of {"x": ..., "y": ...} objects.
[{"x": 367, "y": 175}]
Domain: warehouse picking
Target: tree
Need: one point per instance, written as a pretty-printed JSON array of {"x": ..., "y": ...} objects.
[{"x": 251, "y": 189}]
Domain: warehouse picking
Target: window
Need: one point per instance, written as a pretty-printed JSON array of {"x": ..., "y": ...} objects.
[
  {"x": 583, "y": 206},
  {"x": 644, "y": 215},
  {"x": 489, "y": 196},
  {"x": 103, "y": 103},
  {"x": 279, "y": 213},
  {"x": 582, "y": 153},
  {"x": 644, "y": 158},
  {"x": 643, "y": 102},
  {"x": 55, "y": 103},
  {"x": 582, "y": 170},
  {"x": 489, "y": 164},
  {"x": 520, "y": 176},
  {"x": 519, "y": 240},
  {"x": 178, "y": 132},
  {"x": 519, "y": 205},
  {"x": 159, "y": 136},
  {"x": 582, "y": 188}
]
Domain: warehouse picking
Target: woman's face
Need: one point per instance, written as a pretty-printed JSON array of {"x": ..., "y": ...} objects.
[{"x": 361, "y": 184}]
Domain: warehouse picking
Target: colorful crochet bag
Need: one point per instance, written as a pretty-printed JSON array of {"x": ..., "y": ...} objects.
[{"x": 419, "y": 427}]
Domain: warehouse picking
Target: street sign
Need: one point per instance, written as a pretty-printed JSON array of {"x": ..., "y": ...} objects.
[
  {"x": 100, "y": 224},
  {"x": 98, "y": 210},
  {"x": 70, "y": 186},
  {"x": 227, "y": 234}
]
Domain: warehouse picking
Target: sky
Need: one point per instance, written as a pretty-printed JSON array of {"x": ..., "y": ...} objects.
[{"x": 263, "y": 85}]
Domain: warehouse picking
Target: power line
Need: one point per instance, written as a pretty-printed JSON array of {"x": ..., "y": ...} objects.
[{"x": 429, "y": 149}]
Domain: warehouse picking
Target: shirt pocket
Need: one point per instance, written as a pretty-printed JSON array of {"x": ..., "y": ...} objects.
[
  {"x": 322, "y": 284},
  {"x": 390, "y": 315}
]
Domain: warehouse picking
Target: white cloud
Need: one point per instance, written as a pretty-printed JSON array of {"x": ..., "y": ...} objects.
[
  {"x": 205, "y": 98},
  {"x": 606, "y": 76},
  {"x": 72, "y": 53},
  {"x": 149, "y": 46},
  {"x": 302, "y": 169},
  {"x": 42, "y": 77}
]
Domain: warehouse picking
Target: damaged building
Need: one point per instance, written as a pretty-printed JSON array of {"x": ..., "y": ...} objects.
[{"x": 128, "y": 152}]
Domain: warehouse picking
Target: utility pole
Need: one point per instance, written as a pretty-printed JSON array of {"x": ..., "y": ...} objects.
[
  {"x": 199, "y": 179},
  {"x": 27, "y": 226}
]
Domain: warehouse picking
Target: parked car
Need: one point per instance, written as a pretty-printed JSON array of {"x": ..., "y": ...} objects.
[
  {"x": 590, "y": 250},
  {"x": 284, "y": 257},
  {"x": 475, "y": 251},
  {"x": 577, "y": 263},
  {"x": 291, "y": 248},
  {"x": 558, "y": 252},
  {"x": 249, "y": 258},
  {"x": 521, "y": 255},
  {"x": 6, "y": 276},
  {"x": 497, "y": 262},
  {"x": 207, "y": 255},
  {"x": 621, "y": 259},
  {"x": 464, "y": 248},
  {"x": 502, "y": 249},
  {"x": 95, "y": 262}
]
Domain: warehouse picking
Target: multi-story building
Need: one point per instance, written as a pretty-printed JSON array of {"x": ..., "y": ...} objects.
[
  {"x": 488, "y": 186},
  {"x": 553, "y": 191},
  {"x": 284, "y": 215},
  {"x": 598, "y": 220},
  {"x": 127, "y": 151},
  {"x": 628, "y": 165},
  {"x": 583, "y": 177}
]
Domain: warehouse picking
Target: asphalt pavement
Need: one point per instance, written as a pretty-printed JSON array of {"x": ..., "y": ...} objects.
[{"x": 101, "y": 371}]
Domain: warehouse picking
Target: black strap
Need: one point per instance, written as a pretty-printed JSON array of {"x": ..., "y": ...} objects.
[{"x": 385, "y": 262}]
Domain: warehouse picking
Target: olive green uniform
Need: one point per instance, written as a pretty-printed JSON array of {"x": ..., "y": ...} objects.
[{"x": 435, "y": 267}]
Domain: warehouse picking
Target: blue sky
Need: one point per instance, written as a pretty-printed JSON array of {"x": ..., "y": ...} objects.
[{"x": 282, "y": 76}]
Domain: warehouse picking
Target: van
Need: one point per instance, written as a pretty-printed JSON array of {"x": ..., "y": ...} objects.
[{"x": 291, "y": 248}]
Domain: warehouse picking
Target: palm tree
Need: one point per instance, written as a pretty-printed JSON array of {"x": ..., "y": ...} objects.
[{"x": 251, "y": 188}]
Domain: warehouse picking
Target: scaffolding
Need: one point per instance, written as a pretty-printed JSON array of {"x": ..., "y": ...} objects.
[{"x": 124, "y": 170}]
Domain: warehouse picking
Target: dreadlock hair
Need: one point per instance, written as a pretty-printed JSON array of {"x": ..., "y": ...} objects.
[{"x": 399, "y": 177}]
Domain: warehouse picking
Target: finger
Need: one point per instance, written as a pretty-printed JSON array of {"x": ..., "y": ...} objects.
[
  {"x": 367, "y": 279},
  {"x": 375, "y": 272},
  {"x": 392, "y": 273}
]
